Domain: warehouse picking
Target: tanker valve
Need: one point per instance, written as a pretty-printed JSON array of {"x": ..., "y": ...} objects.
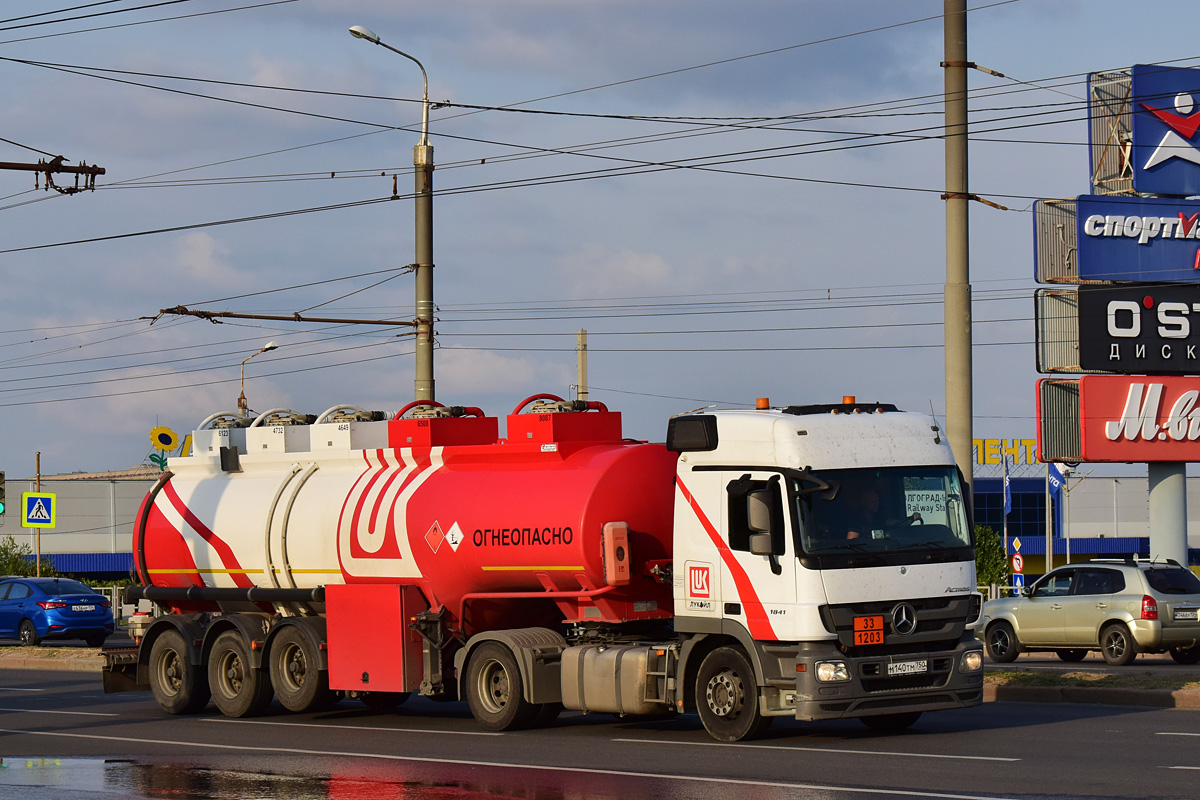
[{"x": 661, "y": 571}]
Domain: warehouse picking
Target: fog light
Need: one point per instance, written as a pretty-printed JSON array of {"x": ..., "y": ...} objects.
[
  {"x": 972, "y": 661},
  {"x": 832, "y": 671}
]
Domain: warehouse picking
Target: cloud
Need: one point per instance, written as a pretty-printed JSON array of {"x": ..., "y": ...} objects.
[
  {"x": 473, "y": 372},
  {"x": 203, "y": 259},
  {"x": 597, "y": 271}
]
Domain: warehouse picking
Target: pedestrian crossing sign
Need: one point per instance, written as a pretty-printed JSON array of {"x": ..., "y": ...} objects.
[{"x": 39, "y": 510}]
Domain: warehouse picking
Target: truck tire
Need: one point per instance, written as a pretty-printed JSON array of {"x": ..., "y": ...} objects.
[
  {"x": 238, "y": 689},
  {"x": 178, "y": 685},
  {"x": 727, "y": 696},
  {"x": 1117, "y": 645},
  {"x": 296, "y": 673},
  {"x": 495, "y": 691},
  {"x": 1001, "y": 642}
]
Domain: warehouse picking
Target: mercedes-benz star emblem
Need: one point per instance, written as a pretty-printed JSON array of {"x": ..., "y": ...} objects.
[{"x": 904, "y": 619}]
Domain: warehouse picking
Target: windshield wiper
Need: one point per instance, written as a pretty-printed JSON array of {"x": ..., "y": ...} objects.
[
  {"x": 847, "y": 546},
  {"x": 932, "y": 543}
]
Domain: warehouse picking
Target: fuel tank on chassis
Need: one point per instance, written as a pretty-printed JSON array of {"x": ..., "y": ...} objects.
[{"x": 454, "y": 520}]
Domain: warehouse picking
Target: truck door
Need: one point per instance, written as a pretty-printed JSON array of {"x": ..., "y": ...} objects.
[{"x": 758, "y": 570}]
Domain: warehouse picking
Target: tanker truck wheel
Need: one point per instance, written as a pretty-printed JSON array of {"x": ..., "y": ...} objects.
[
  {"x": 238, "y": 689},
  {"x": 296, "y": 673},
  {"x": 178, "y": 686},
  {"x": 495, "y": 691},
  {"x": 727, "y": 696}
]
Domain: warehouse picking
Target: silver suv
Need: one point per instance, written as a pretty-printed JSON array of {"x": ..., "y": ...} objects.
[{"x": 1120, "y": 608}]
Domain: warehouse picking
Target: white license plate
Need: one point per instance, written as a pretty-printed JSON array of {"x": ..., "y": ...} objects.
[
  {"x": 1186, "y": 613},
  {"x": 83, "y": 608},
  {"x": 907, "y": 667}
]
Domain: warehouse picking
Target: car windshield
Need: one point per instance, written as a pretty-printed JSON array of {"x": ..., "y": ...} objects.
[
  {"x": 1173, "y": 581},
  {"x": 65, "y": 586},
  {"x": 892, "y": 510}
]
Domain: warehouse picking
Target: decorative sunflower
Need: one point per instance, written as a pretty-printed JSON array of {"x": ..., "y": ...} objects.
[{"x": 163, "y": 438}]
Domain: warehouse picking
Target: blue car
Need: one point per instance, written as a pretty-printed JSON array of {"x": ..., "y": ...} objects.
[{"x": 33, "y": 609}]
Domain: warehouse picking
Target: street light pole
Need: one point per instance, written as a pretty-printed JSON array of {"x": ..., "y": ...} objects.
[
  {"x": 243, "y": 407},
  {"x": 423, "y": 385}
]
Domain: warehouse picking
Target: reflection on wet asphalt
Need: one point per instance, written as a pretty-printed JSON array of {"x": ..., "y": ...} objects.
[{"x": 294, "y": 778}]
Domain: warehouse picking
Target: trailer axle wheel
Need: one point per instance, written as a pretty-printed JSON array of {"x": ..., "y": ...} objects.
[{"x": 238, "y": 689}]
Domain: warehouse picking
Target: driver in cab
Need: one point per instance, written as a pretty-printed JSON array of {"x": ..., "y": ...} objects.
[{"x": 865, "y": 515}]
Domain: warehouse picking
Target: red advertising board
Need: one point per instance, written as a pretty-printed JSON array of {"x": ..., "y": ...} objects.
[{"x": 1139, "y": 418}]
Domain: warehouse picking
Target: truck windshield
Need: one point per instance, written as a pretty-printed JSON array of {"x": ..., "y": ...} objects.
[{"x": 882, "y": 511}]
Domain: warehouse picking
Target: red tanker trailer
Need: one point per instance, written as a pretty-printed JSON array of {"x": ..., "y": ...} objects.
[{"x": 347, "y": 554}]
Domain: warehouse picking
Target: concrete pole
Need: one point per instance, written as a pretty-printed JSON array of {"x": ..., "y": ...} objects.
[
  {"x": 581, "y": 365},
  {"x": 959, "y": 411},
  {"x": 1168, "y": 510},
  {"x": 423, "y": 186}
]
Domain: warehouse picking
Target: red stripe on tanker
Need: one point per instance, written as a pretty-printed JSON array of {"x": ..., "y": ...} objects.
[{"x": 756, "y": 615}]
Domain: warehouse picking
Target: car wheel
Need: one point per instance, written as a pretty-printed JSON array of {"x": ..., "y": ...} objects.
[
  {"x": 238, "y": 689},
  {"x": 1071, "y": 656},
  {"x": 727, "y": 697},
  {"x": 891, "y": 722},
  {"x": 95, "y": 639},
  {"x": 1002, "y": 645},
  {"x": 178, "y": 685},
  {"x": 1118, "y": 645},
  {"x": 1186, "y": 655},
  {"x": 28, "y": 634},
  {"x": 296, "y": 673},
  {"x": 495, "y": 691}
]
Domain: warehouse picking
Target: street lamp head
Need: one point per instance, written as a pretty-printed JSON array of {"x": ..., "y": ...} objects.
[
  {"x": 359, "y": 32},
  {"x": 268, "y": 347}
]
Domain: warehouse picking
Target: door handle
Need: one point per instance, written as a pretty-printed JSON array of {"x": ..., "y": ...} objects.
[
  {"x": 1101, "y": 605},
  {"x": 1055, "y": 606}
]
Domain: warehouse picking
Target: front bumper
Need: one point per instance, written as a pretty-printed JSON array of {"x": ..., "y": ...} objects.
[{"x": 871, "y": 691}]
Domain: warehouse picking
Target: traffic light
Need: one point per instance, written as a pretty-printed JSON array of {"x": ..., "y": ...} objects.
[{"x": 2, "y": 503}]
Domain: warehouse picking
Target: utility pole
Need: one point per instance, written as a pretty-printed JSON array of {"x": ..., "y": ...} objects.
[
  {"x": 581, "y": 365},
  {"x": 55, "y": 166},
  {"x": 959, "y": 410}
]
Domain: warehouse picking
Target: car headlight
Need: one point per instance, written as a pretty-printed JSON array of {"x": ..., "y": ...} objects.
[
  {"x": 971, "y": 661},
  {"x": 832, "y": 671}
]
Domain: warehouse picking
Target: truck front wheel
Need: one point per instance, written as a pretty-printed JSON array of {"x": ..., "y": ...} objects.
[
  {"x": 178, "y": 686},
  {"x": 495, "y": 691},
  {"x": 727, "y": 697},
  {"x": 296, "y": 672},
  {"x": 238, "y": 689}
]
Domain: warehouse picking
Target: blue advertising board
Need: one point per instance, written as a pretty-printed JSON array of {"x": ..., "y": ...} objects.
[
  {"x": 1166, "y": 130},
  {"x": 1145, "y": 240}
]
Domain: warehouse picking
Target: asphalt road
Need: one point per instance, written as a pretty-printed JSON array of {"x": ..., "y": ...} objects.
[{"x": 61, "y": 734}]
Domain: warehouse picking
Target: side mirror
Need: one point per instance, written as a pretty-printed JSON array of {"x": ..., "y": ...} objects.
[
  {"x": 758, "y": 512},
  {"x": 760, "y": 544},
  {"x": 1026, "y": 591}
]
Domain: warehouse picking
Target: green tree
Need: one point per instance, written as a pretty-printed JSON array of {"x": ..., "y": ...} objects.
[
  {"x": 17, "y": 559},
  {"x": 991, "y": 562}
]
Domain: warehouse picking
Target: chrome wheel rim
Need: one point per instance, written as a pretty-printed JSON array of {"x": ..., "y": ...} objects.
[
  {"x": 1115, "y": 644},
  {"x": 725, "y": 694}
]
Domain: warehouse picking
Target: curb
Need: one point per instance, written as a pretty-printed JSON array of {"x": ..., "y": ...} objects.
[
  {"x": 1154, "y": 698},
  {"x": 87, "y": 664}
]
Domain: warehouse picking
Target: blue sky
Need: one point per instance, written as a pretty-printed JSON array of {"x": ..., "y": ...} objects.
[{"x": 775, "y": 270}]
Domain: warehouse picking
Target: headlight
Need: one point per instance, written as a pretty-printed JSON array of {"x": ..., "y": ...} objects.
[
  {"x": 832, "y": 671},
  {"x": 972, "y": 661}
]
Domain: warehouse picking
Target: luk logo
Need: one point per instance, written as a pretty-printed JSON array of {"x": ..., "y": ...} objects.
[{"x": 698, "y": 581}]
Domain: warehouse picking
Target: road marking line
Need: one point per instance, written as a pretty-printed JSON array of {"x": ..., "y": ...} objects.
[
  {"x": 348, "y": 727},
  {"x": 7, "y": 689},
  {"x": 1175, "y": 733},
  {"x": 818, "y": 750},
  {"x": 45, "y": 711},
  {"x": 508, "y": 765},
  {"x": 1183, "y": 767}
]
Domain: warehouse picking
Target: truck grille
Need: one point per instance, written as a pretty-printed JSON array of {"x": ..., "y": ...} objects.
[{"x": 940, "y": 622}]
